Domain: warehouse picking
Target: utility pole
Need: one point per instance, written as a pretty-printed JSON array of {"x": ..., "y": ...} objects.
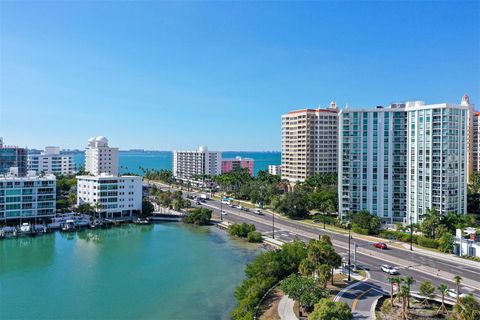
[
  {"x": 411, "y": 233},
  {"x": 221, "y": 207},
  {"x": 273, "y": 225},
  {"x": 349, "y": 237}
]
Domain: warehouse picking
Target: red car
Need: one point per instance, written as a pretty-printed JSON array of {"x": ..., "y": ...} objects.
[{"x": 380, "y": 245}]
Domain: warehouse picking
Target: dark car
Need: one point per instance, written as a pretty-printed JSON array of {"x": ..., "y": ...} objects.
[{"x": 380, "y": 245}]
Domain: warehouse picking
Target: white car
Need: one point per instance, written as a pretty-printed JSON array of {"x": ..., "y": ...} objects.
[
  {"x": 224, "y": 213},
  {"x": 453, "y": 293},
  {"x": 389, "y": 269}
]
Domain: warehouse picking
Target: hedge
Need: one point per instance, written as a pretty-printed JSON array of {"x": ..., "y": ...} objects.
[{"x": 427, "y": 242}]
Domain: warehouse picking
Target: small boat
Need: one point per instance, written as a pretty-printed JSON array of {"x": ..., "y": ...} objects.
[
  {"x": 68, "y": 225},
  {"x": 141, "y": 221},
  {"x": 25, "y": 227}
]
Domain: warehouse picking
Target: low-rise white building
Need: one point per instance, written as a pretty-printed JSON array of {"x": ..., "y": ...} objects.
[
  {"x": 27, "y": 197},
  {"x": 110, "y": 195},
  {"x": 275, "y": 170},
  {"x": 51, "y": 161},
  {"x": 188, "y": 164},
  {"x": 467, "y": 243}
]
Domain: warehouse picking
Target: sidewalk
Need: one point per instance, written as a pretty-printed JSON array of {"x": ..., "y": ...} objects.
[{"x": 285, "y": 309}]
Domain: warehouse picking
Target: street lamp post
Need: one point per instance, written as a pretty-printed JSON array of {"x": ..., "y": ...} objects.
[
  {"x": 411, "y": 233},
  {"x": 349, "y": 237},
  {"x": 324, "y": 221},
  {"x": 221, "y": 207},
  {"x": 273, "y": 225}
]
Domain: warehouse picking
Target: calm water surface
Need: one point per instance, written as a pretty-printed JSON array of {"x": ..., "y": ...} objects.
[{"x": 162, "y": 271}]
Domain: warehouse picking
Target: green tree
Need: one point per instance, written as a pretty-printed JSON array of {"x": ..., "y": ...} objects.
[
  {"x": 467, "y": 308},
  {"x": 147, "y": 208},
  {"x": 442, "y": 288},
  {"x": 446, "y": 242},
  {"x": 324, "y": 274},
  {"x": 426, "y": 290},
  {"x": 293, "y": 205},
  {"x": 198, "y": 216},
  {"x": 408, "y": 281},
  {"x": 393, "y": 281},
  {"x": 327, "y": 309},
  {"x": 458, "y": 281},
  {"x": 241, "y": 230},
  {"x": 404, "y": 294},
  {"x": 430, "y": 222},
  {"x": 254, "y": 236},
  {"x": 84, "y": 208},
  {"x": 366, "y": 221},
  {"x": 304, "y": 290}
]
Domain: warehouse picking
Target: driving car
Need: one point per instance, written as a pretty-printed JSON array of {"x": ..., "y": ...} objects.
[
  {"x": 380, "y": 245},
  {"x": 224, "y": 212},
  {"x": 453, "y": 293},
  {"x": 389, "y": 269}
]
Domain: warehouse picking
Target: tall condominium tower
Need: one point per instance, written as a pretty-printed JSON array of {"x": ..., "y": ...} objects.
[
  {"x": 372, "y": 162},
  {"x": 476, "y": 142},
  {"x": 100, "y": 158},
  {"x": 397, "y": 162},
  {"x": 309, "y": 142},
  {"x": 12, "y": 157},
  {"x": 189, "y": 164}
]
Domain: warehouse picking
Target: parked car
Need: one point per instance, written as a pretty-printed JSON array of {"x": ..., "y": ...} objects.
[
  {"x": 453, "y": 293},
  {"x": 389, "y": 269},
  {"x": 380, "y": 245}
]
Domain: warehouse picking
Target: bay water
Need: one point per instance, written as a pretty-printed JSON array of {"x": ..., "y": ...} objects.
[{"x": 161, "y": 271}]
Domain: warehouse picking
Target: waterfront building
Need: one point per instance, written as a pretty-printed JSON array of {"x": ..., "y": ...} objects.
[
  {"x": 235, "y": 164},
  {"x": 309, "y": 142},
  {"x": 100, "y": 158},
  {"x": 28, "y": 197},
  {"x": 51, "y": 161},
  {"x": 400, "y": 161},
  {"x": 275, "y": 170},
  {"x": 111, "y": 196},
  {"x": 12, "y": 156},
  {"x": 188, "y": 166}
]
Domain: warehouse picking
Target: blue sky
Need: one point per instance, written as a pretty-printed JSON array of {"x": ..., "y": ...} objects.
[{"x": 175, "y": 75}]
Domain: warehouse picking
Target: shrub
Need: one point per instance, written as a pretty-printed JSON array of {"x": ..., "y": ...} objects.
[
  {"x": 241, "y": 230},
  {"x": 360, "y": 230},
  {"x": 427, "y": 242},
  {"x": 254, "y": 236},
  {"x": 386, "y": 307},
  {"x": 198, "y": 216}
]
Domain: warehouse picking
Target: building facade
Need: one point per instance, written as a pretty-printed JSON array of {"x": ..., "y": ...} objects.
[
  {"x": 12, "y": 156},
  {"x": 372, "y": 162},
  {"x": 475, "y": 141},
  {"x": 189, "y": 164},
  {"x": 309, "y": 142},
  {"x": 100, "y": 158},
  {"x": 51, "y": 161},
  {"x": 275, "y": 170},
  {"x": 110, "y": 195},
  {"x": 235, "y": 164},
  {"x": 28, "y": 197},
  {"x": 400, "y": 161}
]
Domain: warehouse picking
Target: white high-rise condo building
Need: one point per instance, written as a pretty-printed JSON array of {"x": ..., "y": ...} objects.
[
  {"x": 397, "y": 162},
  {"x": 51, "y": 161},
  {"x": 28, "y": 197},
  {"x": 111, "y": 196},
  {"x": 100, "y": 158},
  {"x": 309, "y": 142},
  {"x": 475, "y": 141},
  {"x": 189, "y": 164}
]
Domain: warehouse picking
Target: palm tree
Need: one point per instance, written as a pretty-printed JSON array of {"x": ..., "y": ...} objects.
[
  {"x": 409, "y": 281},
  {"x": 404, "y": 293},
  {"x": 458, "y": 280},
  {"x": 442, "y": 288},
  {"x": 467, "y": 309},
  {"x": 392, "y": 281}
]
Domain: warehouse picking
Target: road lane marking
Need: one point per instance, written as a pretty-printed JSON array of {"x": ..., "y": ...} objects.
[{"x": 355, "y": 302}]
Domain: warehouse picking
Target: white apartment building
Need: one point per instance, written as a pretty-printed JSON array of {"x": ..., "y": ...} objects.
[
  {"x": 116, "y": 196},
  {"x": 187, "y": 164},
  {"x": 28, "y": 197},
  {"x": 372, "y": 162},
  {"x": 51, "y": 161},
  {"x": 100, "y": 158},
  {"x": 397, "y": 162},
  {"x": 309, "y": 142},
  {"x": 275, "y": 170},
  {"x": 437, "y": 171}
]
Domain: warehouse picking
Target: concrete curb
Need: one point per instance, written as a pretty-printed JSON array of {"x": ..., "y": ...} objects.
[{"x": 339, "y": 295}]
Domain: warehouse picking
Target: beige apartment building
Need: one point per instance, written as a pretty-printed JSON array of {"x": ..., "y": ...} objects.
[{"x": 309, "y": 142}]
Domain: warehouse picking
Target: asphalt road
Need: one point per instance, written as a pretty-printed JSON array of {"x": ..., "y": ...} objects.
[{"x": 368, "y": 257}]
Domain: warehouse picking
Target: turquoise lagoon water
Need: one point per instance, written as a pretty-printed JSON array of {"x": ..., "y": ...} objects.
[
  {"x": 131, "y": 161},
  {"x": 162, "y": 271}
]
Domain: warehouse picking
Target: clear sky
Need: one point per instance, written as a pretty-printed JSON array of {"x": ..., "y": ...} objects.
[{"x": 175, "y": 75}]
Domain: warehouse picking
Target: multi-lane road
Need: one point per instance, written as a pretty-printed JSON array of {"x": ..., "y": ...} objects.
[{"x": 419, "y": 266}]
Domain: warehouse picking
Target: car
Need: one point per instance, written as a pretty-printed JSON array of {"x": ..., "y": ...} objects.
[
  {"x": 246, "y": 209},
  {"x": 453, "y": 293},
  {"x": 380, "y": 245},
  {"x": 258, "y": 211},
  {"x": 224, "y": 212},
  {"x": 198, "y": 203},
  {"x": 389, "y": 269}
]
